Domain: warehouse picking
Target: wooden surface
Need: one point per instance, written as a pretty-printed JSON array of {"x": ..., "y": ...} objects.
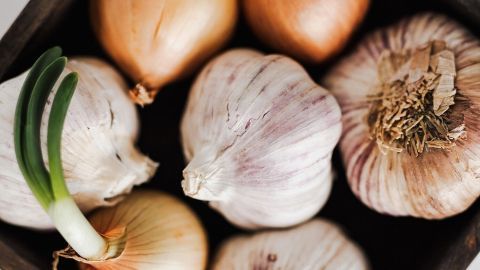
[
  {"x": 9, "y": 11},
  {"x": 389, "y": 242},
  {"x": 14, "y": 256},
  {"x": 462, "y": 250},
  {"x": 469, "y": 8},
  {"x": 35, "y": 19}
]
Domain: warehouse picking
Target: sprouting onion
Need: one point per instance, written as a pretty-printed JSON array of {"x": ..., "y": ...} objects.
[
  {"x": 149, "y": 230},
  {"x": 49, "y": 186}
]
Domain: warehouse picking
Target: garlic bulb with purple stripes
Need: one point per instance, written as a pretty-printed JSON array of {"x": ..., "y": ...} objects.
[
  {"x": 410, "y": 96},
  {"x": 99, "y": 155},
  {"x": 317, "y": 244},
  {"x": 258, "y": 135}
]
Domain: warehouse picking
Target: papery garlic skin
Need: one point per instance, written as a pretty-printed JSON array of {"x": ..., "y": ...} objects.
[
  {"x": 258, "y": 135},
  {"x": 317, "y": 244},
  {"x": 100, "y": 160},
  {"x": 158, "y": 41},
  {"x": 438, "y": 183},
  {"x": 161, "y": 233}
]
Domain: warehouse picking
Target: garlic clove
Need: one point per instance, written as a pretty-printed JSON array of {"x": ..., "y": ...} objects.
[
  {"x": 258, "y": 135},
  {"x": 160, "y": 41},
  {"x": 161, "y": 233},
  {"x": 437, "y": 183},
  {"x": 317, "y": 244},
  {"x": 100, "y": 161}
]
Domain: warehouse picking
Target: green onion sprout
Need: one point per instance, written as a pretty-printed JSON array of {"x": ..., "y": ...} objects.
[{"x": 48, "y": 186}]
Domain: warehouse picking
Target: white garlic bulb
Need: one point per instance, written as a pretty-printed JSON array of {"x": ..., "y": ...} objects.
[
  {"x": 258, "y": 134},
  {"x": 100, "y": 160},
  {"x": 317, "y": 244},
  {"x": 410, "y": 103}
]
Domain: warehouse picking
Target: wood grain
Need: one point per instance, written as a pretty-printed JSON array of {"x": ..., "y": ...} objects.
[
  {"x": 15, "y": 256},
  {"x": 35, "y": 18},
  {"x": 468, "y": 8},
  {"x": 459, "y": 252}
]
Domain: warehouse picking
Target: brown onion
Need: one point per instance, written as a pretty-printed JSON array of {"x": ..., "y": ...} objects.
[
  {"x": 310, "y": 30},
  {"x": 158, "y": 41}
]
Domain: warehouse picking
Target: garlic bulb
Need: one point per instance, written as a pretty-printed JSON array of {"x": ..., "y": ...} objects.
[
  {"x": 411, "y": 142},
  {"x": 258, "y": 134},
  {"x": 309, "y": 30},
  {"x": 100, "y": 160},
  {"x": 161, "y": 233},
  {"x": 158, "y": 41},
  {"x": 317, "y": 244}
]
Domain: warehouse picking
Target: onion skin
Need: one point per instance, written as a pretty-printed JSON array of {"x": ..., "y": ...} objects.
[
  {"x": 158, "y": 41},
  {"x": 309, "y": 30},
  {"x": 161, "y": 233}
]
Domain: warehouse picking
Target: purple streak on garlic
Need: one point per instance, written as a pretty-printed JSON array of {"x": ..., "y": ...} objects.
[
  {"x": 258, "y": 136},
  {"x": 444, "y": 179},
  {"x": 317, "y": 244},
  {"x": 100, "y": 160}
]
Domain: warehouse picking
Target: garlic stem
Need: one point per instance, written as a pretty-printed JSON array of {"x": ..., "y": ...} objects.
[{"x": 76, "y": 230}]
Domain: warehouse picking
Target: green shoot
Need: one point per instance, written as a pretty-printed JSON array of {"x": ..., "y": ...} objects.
[
  {"x": 55, "y": 127},
  {"x": 39, "y": 187},
  {"x": 49, "y": 186}
]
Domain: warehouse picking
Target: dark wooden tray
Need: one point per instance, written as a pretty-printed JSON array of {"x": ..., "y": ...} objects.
[{"x": 390, "y": 243}]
